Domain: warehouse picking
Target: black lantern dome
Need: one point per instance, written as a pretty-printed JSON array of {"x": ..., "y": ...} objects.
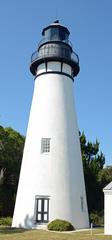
[{"x": 55, "y": 46}]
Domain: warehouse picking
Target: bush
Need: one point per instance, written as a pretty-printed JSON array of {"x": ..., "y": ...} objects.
[
  {"x": 5, "y": 221},
  {"x": 97, "y": 219},
  {"x": 60, "y": 225}
]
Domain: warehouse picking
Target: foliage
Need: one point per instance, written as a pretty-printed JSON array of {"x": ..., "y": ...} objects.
[
  {"x": 60, "y": 225},
  {"x": 11, "y": 149},
  {"x": 93, "y": 162},
  {"x": 97, "y": 218},
  {"x": 5, "y": 221},
  {"x": 105, "y": 176}
]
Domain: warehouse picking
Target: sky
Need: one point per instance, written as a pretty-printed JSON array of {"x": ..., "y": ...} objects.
[{"x": 90, "y": 26}]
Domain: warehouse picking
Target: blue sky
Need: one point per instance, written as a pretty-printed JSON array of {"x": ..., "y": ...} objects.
[{"x": 90, "y": 25}]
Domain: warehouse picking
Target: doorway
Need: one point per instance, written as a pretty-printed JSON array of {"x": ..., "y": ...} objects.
[{"x": 42, "y": 209}]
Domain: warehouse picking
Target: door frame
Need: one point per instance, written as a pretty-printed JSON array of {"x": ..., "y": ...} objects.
[{"x": 41, "y": 211}]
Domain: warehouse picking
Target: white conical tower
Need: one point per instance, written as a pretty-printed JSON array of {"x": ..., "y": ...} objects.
[{"x": 51, "y": 184}]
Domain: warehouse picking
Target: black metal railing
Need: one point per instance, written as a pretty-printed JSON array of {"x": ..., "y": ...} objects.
[{"x": 54, "y": 51}]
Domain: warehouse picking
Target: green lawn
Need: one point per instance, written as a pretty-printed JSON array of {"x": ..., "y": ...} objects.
[{"x": 21, "y": 234}]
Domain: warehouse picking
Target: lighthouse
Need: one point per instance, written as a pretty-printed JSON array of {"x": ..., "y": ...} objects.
[{"x": 51, "y": 184}]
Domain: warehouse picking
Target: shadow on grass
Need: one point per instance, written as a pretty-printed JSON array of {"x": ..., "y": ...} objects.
[
  {"x": 10, "y": 230},
  {"x": 25, "y": 227}
]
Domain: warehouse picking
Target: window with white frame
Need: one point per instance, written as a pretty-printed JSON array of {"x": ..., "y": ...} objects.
[{"x": 45, "y": 145}]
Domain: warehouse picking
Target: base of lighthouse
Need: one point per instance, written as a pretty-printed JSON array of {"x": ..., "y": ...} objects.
[{"x": 51, "y": 184}]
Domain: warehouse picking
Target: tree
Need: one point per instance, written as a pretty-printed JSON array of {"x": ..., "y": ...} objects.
[
  {"x": 105, "y": 176},
  {"x": 93, "y": 162},
  {"x": 11, "y": 150}
]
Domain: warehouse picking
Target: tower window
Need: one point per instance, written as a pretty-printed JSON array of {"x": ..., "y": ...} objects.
[
  {"x": 45, "y": 145},
  {"x": 82, "y": 204}
]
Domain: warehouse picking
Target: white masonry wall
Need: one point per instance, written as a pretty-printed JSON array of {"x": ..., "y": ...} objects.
[
  {"x": 58, "y": 174},
  {"x": 108, "y": 212}
]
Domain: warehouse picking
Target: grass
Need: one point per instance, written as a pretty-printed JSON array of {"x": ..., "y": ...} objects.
[{"x": 7, "y": 233}]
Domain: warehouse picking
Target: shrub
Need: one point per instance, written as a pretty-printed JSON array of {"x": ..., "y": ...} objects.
[
  {"x": 97, "y": 219},
  {"x": 6, "y": 221},
  {"x": 60, "y": 225}
]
